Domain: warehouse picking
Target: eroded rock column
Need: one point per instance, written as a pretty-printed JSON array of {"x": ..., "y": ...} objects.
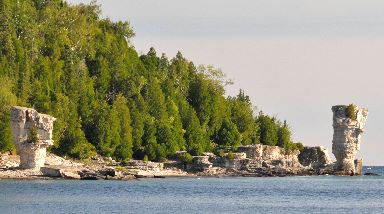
[
  {"x": 348, "y": 127},
  {"x": 32, "y": 134}
]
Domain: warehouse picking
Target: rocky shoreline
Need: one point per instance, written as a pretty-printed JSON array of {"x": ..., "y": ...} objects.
[
  {"x": 248, "y": 161},
  {"x": 252, "y": 161},
  {"x": 96, "y": 169}
]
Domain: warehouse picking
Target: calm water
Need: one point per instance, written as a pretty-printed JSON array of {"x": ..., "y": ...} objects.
[{"x": 325, "y": 194}]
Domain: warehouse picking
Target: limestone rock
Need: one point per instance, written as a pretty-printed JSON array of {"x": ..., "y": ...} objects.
[
  {"x": 60, "y": 172},
  {"x": 145, "y": 165},
  {"x": 32, "y": 154},
  {"x": 252, "y": 151},
  {"x": 108, "y": 171},
  {"x": 316, "y": 157},
  {"x": 347, "y": 137},
  {"x": 54, "y": 160},
  {"x": 271, "y": 155},
  {"x": 201, "y": 163},
  {"x": 51, "y": 171},
  {"x": 358, "y": 167}
]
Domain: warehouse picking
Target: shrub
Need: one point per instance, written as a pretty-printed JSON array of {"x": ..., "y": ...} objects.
[
  {"x": 120, "y": 169},
  {"x": 83, "y": 150},
  {"x": 185, "y": 158},
  {"x": 351, "y": 111},
  {"x": 33, "y": 136},
  {"x": 230, "y": 155},
  {"x": 293, "y": 146},
  {"x": 220, "y": 153},
  {"x": 145, "y": 159},
  {"x": 299, "y": 146}
]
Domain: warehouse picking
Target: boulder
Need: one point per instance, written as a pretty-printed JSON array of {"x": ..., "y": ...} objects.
[
  {"x": 201, "y": 163},
  {"x": 316, "y": 157},
  {"x": 108, "y": 171},
  {"x": 145, "y": 165},
  {"x": 60, "y": 172}
]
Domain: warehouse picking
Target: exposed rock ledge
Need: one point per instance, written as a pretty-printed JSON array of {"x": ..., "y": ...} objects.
[
  {"x": 255, "y": 161},
  {"x": 56, "y": 167}
]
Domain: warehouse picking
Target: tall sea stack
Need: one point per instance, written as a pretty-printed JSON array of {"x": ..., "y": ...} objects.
[{"x": 348, "y": 126}]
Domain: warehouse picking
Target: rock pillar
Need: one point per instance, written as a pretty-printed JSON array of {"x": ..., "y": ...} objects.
[
  {"x": 348, "y": 124},
  {"x": 32, "y": 134}
]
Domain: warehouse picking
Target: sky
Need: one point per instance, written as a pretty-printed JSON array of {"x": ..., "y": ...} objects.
[{"x": 295, "y": 59}]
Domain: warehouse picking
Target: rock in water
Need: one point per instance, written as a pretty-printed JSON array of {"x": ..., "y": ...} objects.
[
  {"x": 26, "y": 122},
  {"x": 347, "y": 136}
]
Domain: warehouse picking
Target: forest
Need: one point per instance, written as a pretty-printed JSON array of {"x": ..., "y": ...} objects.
[{"x": 67, "y": 61}]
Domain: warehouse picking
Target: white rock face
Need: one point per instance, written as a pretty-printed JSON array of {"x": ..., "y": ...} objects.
[
  {"x": 271, "y": 154},
  {"x": 32, "y": 155},
  {"x": 347, "y": 137}
]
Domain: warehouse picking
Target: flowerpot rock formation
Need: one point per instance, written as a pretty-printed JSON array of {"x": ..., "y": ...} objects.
[
  {"x": 26, "y": 122},
  {"x": 347, "y": 137}
]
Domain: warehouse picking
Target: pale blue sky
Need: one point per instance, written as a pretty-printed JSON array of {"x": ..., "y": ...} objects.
[{"x": 294, "y": 58}]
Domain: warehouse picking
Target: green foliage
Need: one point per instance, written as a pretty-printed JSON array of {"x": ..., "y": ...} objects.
[
  {"x": 67, "y": 61},
  {"x": 207, "y": 100},
  {"x": 299, "y": 146},
  {"x": 7, "y": 99},
  {"x": 196, "y": 138},
  {"x": 268, "y": 130},
  {"x": 74, "y": 144},
  {"x": 242, "y": 115},
  {"x": 145, "y": 159},
  {"x": 351, "y": 111},
  {"x": 220, "y": 153},
  {"x": 228, "y": 135},
  {"x": 283, "y": 136},
  {"x": 124, "y": 149},
  {"x": 185, "y": 158},
  {"x": 230, "y": 155},
  {"x": 295, "y": 146},
  {"x": 149, "y": 139},
  {"x": 33, "y": 136}
]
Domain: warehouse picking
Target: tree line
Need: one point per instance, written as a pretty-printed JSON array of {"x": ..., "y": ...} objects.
[{"x": 66, "y": 61}]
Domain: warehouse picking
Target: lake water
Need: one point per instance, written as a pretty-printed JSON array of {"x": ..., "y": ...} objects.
[{"x": 322, "y": 194}]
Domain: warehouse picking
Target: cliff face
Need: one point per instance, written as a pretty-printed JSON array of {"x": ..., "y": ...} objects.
[
  {"x": 347, "y": 137},
  {"x": 23, "y": 120}
]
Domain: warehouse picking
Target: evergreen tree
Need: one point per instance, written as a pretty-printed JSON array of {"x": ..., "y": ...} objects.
[
  {"x": 196, "y": 138},
  {"x": 7, "y": 100},
  {"x": 268, "y": 130},
  {"x": 242, "y": 115},
  {"x": 284, "y": 136},
  {"x": 67, "y": 61},
  {"x": 124, "y": 149},
  {"x": 228, "y": 135},
  {"x": 149, "y": 138}
]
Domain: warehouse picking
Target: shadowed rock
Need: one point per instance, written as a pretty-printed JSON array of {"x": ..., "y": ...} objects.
[{"x": 316, "y": 157}]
